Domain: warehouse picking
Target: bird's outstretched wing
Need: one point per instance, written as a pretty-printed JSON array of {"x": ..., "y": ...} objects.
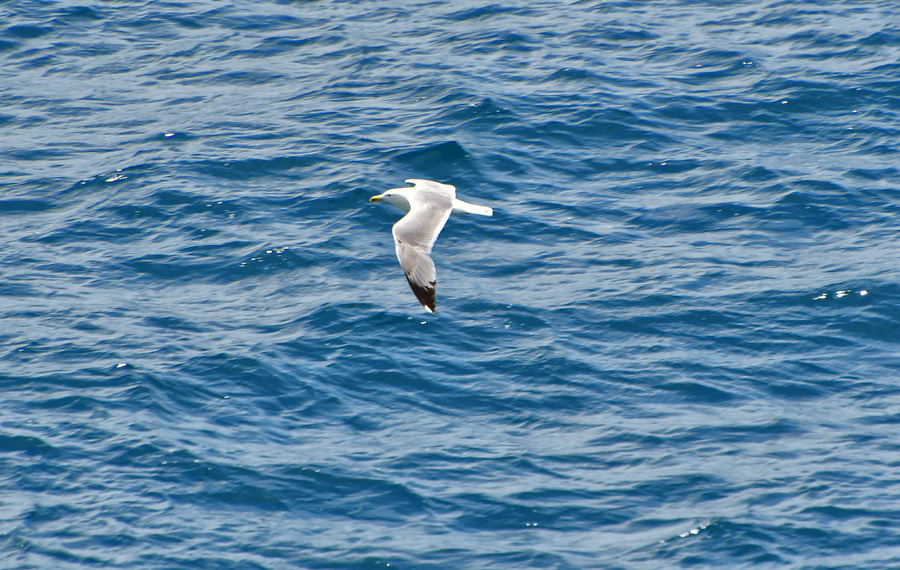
[
  {"x": 420, "y": 274},
  {"x": 414, "y": 236}
]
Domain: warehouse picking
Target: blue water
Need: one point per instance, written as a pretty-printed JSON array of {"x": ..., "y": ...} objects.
[{"x": 675, "y": 344}]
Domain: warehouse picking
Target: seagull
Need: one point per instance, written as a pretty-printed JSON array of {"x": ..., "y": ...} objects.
[{"x": 429, "y": 204}]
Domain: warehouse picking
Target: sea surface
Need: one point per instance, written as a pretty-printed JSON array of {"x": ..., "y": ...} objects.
[{"x": 675, "y": 344}]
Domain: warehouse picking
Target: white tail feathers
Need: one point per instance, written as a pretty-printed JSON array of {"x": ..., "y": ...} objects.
[{"x": 460, "y": 207}]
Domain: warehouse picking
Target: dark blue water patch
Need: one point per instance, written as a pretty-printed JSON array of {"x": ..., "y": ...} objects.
[
  {"x": 76, "y": 13},
  {"x": 247, "y": 77},
  {"x": 882, "y": 38},
  {"x": 182, "y": 101},
  {"x": 233, "y": 19},
  {"x": 485, "y": 115},
  {"x": 252, "y": 168},
  {"x": 483, "y": 43},
  {"x": 688, "y": 217},
  {"x": 147, "y": 212},
  {"x": 169, "y": 267},
  {"x": 822, "y": 98},
  {"x": 610, "y": 128},
  {"x": 850, "y": 513},
  {"x": 274, "y": 46},
  {"x": 782, "y": 428},
  {"x": 31, "y": 60},
  {"x": 27, "y": 445},
  {"x": 698, "y": 392},
  {"x": 613, "y": 34},
  {"x": 384, "y": 378},
  {"x": 98, "y": 49},
  {"x": 27, "y": 32},
  {"x": 525, "y": 558},
  {"x": 721, "y": 542},
  {"x": 353, "y": 61},
  {"x": 231, "y": 248},
  {"x": 179, "y": 198},
  {"x": 799, "y": 390},
  {"x": 236, "y": 496},
  {"x": 149, "y": 456},
  {"x": 439, "y": 161},
  {"x": 690, "y": 488},
  {"x": 155, "y": 22},
  {"x": 172, "y": 323},
  {"x": 41, "y": 514},
  {"x": 184, "y": 76},
  {"x": 881, "y": 419},
  {"x": 784, "y": 14},
  {"x": 108, "y": 183},
  {"x": 274, "y": 260},
  {"x": 39, "y": 154},
  {"x": 829, "y": 46},
  {"x": 90, "y": 231},
  {"x": 485, "y": 12},
  {"x": 718, "y": 65},
  {"x": 244, "y": 375},
  {"x": 760, "y": 174},
  {"x": 800, "y": 208},
  {"x": 728, "y": 211},
  {"x": 21, "y": 206},
  {"x": 874, "y": 174},
  {"x": 485, "y": 514},
  {"x": 313, "y": 490},
  {"x": 575, "y": 75},
  {"x": 505, "y": 164}
]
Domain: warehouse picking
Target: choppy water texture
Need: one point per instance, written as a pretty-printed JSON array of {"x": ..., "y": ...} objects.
[{"x": 675, "y": 343}]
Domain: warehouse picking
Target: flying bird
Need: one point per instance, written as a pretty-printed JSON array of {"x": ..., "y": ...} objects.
[{"x": 428, "y": 204}]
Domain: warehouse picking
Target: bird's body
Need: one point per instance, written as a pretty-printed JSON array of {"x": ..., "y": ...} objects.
[{"x": 429, "y": 205}]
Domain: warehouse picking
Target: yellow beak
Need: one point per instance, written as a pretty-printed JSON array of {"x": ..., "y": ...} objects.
[{"x": 377, "y": 198}]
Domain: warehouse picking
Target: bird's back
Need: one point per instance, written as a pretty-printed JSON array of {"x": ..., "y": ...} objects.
[{"x": 431, "y": 185}]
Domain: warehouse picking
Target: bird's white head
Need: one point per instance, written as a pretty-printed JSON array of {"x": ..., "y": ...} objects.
[{"x": 395, "y": 196}]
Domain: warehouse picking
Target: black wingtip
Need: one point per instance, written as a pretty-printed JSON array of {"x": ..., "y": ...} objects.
[{"x": 426, "y": 295}]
